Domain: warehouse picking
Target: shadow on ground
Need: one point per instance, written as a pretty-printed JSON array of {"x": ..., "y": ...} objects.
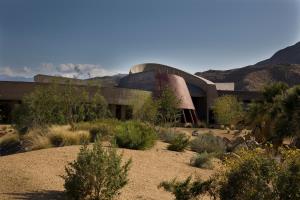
[{"x": 40, "y": 195}]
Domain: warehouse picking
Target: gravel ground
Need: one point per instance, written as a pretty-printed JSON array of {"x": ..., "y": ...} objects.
[{"x": 36, "y": 175}]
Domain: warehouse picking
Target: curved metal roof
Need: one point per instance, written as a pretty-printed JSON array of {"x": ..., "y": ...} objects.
[
  {"x": 164, "y": 68},
  {"x": 206, "y": 85}
]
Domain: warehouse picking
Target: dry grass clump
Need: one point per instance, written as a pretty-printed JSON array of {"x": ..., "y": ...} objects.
[
  {"x": 55, "y": 136},
  {"x": 63, "y": 136},
  {"x": 203, "y": 160},
  {"x": 104, "y": 129},
  {"x": 36, "y": 139}
]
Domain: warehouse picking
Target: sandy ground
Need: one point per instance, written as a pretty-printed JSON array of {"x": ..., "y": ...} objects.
[{"x": 36, "y": 175}]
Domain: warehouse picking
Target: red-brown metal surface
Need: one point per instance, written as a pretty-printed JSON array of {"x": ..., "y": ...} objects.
[{"x": 178, "y": 85}]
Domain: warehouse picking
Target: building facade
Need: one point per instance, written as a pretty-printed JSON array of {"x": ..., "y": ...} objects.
[{"x": 196, "y": 94}]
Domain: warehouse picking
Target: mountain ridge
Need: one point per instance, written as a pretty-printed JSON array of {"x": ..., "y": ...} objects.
[{"x": 282, "y": 66}]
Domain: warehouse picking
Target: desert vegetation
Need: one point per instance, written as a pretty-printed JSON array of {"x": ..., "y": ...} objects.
[
  {"x": 264, "y": 169},
  {"x": 228, "y": 110},
  {"x": 96, "y": 174},
  {"x": 250, "y": 175},
  {"x": 254, "y": 164}
]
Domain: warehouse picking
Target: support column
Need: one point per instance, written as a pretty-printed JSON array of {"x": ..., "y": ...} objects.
[
  {"x": 123, "y": 112},
  {"x": 192, "y": 118},
  {"x": 184, "y": 118}
]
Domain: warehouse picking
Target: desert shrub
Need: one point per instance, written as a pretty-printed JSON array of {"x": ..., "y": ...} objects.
[
  {"x": 203, "y": 160},
  {"x": 103, "y": 131},
  {"x": 249, "y": 177},
  {"x": 145, "y": 110},
  {"x": 167, "y": 134},
  {"x": 96, "y": 174},
  {"x": 288, "y": 180},
  {"x": 104, "y": 128},
  {"x": 9, "y": 143},
  {"x": 227, "y": 110},
  {"x": 209, "y": 143},
  {"x": 186, "y": 189},
  {"x": 179, "y": 142},
  {"x": 135, "y": 135},
  {"x": 250, "y": 174}
]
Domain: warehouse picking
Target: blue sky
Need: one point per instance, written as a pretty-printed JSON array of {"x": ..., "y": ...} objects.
[{"x": 103, "y": 37}]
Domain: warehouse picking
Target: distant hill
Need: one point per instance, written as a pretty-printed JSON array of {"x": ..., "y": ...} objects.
[
  {"x": 283, "y": 66},
  {"x": 15, "y": 78},
  {"x": 107, "y": 81}
]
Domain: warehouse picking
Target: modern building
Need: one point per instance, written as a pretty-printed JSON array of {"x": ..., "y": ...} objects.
[{"x": 196, "y": 93}]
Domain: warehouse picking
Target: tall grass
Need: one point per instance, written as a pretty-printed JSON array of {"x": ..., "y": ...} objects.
[
  {"x": 63, "y": 136},
  {"x": 55, "y": 136},
  {"x": 36, "y": 139}
]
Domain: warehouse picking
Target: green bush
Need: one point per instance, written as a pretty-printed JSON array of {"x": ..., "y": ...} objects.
[
  {"x": 252, "y": 174},
  {"x": 248, "y": 178},
  {"x": 97, "y": 174},
  {"x": 135, "y": 135},
  {"x": 209, "y": 143},
  {"x": 58, "y": 104},
  {"x": 228, "y": 110},
  {"x": 145, "y": 109},
  {"x": 103, "y": 131},
  {"x": 179, "y": 142},
  {"x": 203, "y": 160},
  {"x": 186, "y": 189},
  {"x": 288, "y": 180}
]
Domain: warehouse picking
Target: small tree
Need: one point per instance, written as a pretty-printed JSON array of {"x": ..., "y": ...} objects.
[
  {"x": 97, "y": 108},
  {"x": 145, "y": 110},
  {"x": 59, "y": 104},
  {"x": 277, "y": 115},
  {"x": 97, "y": 174},
  {"x": 227, "y": 110},
  {"x": 168, "y": 111}
]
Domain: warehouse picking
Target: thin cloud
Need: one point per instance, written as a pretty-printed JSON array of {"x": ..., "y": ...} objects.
[
  {"x": 25, "y": 72},
  {"x": 70, "y": 70}
]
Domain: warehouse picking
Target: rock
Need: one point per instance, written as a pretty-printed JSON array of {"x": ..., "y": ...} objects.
[
  {"x": 232, "y": 127},
  {"x": 237, "y": 132},
  {"x": 226, "y": 142},
  {"x": 188, "y": 125},
  {"x": 252, "y": 144},
  {"x": 232, "y": 145},
  {"x": 296, "y": 142},
  {"x": 195, "y": 133}
]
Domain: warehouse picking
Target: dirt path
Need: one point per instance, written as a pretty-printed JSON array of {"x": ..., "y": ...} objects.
[{"x": 36, "y": 175}]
